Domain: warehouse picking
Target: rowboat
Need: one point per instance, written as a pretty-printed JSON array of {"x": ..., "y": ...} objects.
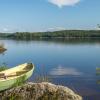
[{"x": 11, "y": 76}]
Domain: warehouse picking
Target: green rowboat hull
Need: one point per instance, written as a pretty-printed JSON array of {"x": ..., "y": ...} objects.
[{"x": 6, "y": 84}]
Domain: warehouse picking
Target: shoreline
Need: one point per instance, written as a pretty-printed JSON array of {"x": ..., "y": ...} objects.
[{"x": 40, "y": 91}]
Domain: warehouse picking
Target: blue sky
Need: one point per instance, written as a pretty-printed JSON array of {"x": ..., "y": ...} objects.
[{"x": 43, "y": 15}]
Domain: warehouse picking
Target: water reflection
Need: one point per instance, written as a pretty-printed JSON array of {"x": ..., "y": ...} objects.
[
  {"x": 65, "y": 71},
  {"x": 82, "y": 55},
  {"x": 60, "y": 40}
]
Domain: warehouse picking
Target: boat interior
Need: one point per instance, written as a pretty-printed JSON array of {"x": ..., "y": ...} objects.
[{"x": 14, "y": 72}]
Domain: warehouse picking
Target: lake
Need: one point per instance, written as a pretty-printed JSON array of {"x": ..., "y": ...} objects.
[{"x": 67, "y": 62}]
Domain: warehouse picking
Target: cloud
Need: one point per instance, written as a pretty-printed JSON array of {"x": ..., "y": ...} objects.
[
  {"x": 65, "y": 71},
  {"x": 5, "y": 29},
  {"x": 61, "y": 3},
  {"x": 56, "y": 28}
]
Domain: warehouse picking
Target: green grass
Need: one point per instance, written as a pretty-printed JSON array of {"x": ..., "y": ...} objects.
[
  {"x": 41, "y": 78},
  {"x": 97, "y": 69},
  {"x": 97, "y": 73},
  {"x": 13, "y": 96},
  {"x": 20, "y": 81},
  {"x": 3, "y": 67},
  {"x": 98, "y": 82}
]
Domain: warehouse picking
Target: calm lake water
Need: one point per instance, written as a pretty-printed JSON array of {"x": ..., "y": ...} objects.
[{"x": 70, "y": 63}]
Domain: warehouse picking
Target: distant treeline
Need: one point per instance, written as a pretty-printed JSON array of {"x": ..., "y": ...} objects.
[{"x": 55, "y": 34}]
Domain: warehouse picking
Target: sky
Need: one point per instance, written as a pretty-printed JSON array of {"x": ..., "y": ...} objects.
[{"x": 48, "y": 15}]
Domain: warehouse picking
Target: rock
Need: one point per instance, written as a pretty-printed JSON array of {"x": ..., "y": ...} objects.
[
  {"x": 2, "y": 50},
  {"x": 39, "y": 91}
]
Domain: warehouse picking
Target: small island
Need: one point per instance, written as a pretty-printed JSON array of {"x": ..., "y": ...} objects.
[{"x": 2, "y": 48}]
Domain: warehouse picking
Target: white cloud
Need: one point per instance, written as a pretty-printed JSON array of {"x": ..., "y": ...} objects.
[
  {"x": 65, "y": 71},
  {"x": 5, "y": 29},
  {"x": 56, "y": 28},
  {"x": 61, "y": 3}
]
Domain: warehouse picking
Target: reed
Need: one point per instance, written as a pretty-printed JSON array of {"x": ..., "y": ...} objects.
[
  {"x": 42, "y": 76},
  {"x": 20, "y": 81},
  {"x": 3, "y": 67},
  {"x": 98, "y": 82},
  {"x": 97, "y": 69}
]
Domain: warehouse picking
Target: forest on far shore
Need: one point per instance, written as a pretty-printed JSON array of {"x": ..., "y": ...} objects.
[{"x": 54, "y": 34}]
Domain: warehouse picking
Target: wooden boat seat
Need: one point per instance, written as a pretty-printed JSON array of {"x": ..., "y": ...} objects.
[
  {"x": 17, "y": 73},
  {"x": 2, "y": 75},
  {"x": 21, "y": 72}
]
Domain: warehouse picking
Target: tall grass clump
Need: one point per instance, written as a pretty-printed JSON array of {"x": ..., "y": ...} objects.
[
  {"x": 20, "y": 81},
  {"x": 3, "y": 67},
  {"x": 97, "y": 71},
  {"x": 98, "y": 74},
  {"x": 42, "y": 76}
]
